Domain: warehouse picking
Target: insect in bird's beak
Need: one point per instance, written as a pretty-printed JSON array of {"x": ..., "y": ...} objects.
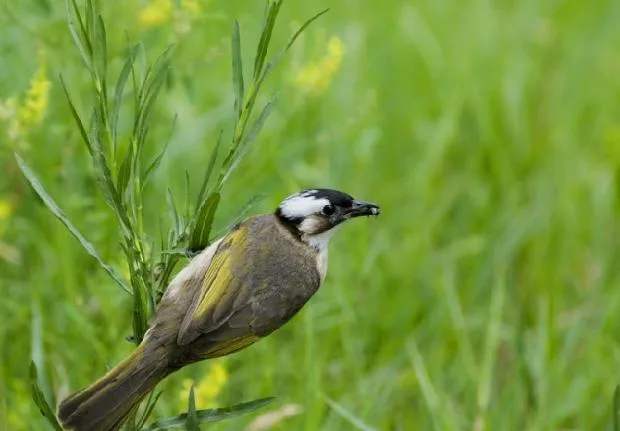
[{"x": 363, "y": 208}]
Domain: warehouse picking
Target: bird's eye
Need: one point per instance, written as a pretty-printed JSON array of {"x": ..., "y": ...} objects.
[{"x": 328, "y": 210}]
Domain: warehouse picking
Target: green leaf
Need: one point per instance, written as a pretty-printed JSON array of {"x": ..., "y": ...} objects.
[
  {"x": 199, "y": 238},
  {"x": 172, "y": 210},
  {"x": 76, "y": 117},
  {"x": 103, "y": 174},
  {"x": 191, "y": 421},
  {"x": 241, "y": 214},
  {"x": 354, "y": 421},
  {"x": 237, "y": 69},
  {"x": 55, "y": 209},
  {"x": 79, "y": 33},
  {"x": 210, "y": 415},
  {"x": 101, "y": 52},
  {"x": 249, "y": 138},
  {"x": 118, "y": 93},
  {"x": 209, "y": 171},
  {"x": 153, "y": 82},
  {"x": 288, "y": 46},
  {"x": 150, "y": 405},
  {"x": 126, "y": 169},
  {"x": 156, "y": 162},
  {"x": 39, "y": 399},
  {"x": 265, "y": 37},
  {"x": 140, "y": 309},
  {"x": 303, "y": 28}
]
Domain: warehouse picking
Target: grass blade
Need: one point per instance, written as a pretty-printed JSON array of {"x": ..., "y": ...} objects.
[
  {"x": 348, "y": 416},
  {"x": 126, "y": 169},
  {"x": 80, "y": 39},
  {"x": 39, "y": 399},
  {"x": 140, "y": 308},
  {"x": 210, "y": 415},
  {"x": 288, "y": 46},
  {"x": 265, "y": 37},
  {"x": 119, "y": 90},
  {"x": 172, "y": 211},
  {"x": 55, "y": 209},
  {"x": 241, "y": 214},
  {"x": 199, "y": 237},
  {"x": 209, "y": 171},
  {"x": 237, "y": 69},
  {"x": 76, "y": 117},
  {"x": 150, "y": 405},
  {"x": 156, "y": 162},
  {"x": 249, "y": 138},
  {"x": 191, "y": 421},
  {"x": 303, "y": 28}
]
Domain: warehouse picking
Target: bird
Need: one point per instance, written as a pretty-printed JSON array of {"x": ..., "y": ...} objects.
[{"x": 239, "y": 289}]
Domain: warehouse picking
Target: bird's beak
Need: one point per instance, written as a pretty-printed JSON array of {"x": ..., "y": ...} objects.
[{"x": 363, "y": 208}]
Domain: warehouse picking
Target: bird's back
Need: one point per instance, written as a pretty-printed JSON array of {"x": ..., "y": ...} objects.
[{"x": 280, "y": 271}]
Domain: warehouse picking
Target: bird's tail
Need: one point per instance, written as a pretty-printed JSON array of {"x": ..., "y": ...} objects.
[{"x": 106, "y": 404}]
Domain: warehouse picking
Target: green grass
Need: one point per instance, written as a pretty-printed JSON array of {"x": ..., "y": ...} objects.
[{"x": 486, "y": 295}]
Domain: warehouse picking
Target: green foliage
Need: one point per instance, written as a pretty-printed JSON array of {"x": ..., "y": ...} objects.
[
  {"x": 39, "y": 399},
  {"x": 122, "y": 178},
  {"x": 206, "y": 416},
  {"x": 484, "y": 297}
]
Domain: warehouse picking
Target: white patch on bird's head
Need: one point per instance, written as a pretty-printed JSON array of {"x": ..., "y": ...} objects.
[{"x": 302, "y": 205}]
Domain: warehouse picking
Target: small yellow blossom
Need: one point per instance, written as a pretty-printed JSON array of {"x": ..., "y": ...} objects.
[
  {"x": 317, "y": 76},
  {"x": 207, "y": 390},
  {"x": 157, "y": 12},
  {"x": 20, "y": 117},
  {"x": 191, "y": 6},
  {"x": 35, "y": 103},
  {"x": 178, "y": 14},
  {"x": 6, "y": 209}
]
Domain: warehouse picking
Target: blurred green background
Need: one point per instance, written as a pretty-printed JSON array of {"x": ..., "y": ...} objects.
[{"x": 486, "y": 295}]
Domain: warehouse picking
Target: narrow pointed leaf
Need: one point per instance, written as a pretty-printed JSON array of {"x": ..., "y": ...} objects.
[
  {"x": 209, "y": 170},
  {"x": 125, "y": 170},
  {"x": 119, "y": 91},
  {"x": 102, "y": 53},
  {"x": 40, "y": 401},
  {"x": 203, "y": 222},
  {"x": 265, "y": 37},
  {"x": 78, "y": 33},
  {"x": 156, "y": 162},
  {"x": 172, "y": 210},
  {"x": 140, "y": 310},
  {"x": 150, "y": 405},
  {"x": 241, "y": 214},
  {"x": 191, "y": 421},
  {"x": 250, "y": 137},
  {"x": 76, "y": 117},
  {"x": 210, "y": 415},
  {"x": 55, "y": 209},
  {"x": 237, "y": 69},
  {"x": 290, "y": 43}
]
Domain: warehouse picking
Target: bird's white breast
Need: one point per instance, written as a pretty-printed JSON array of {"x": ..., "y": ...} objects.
[
  {"x": 321, "y": 264},
  {"x": 197, "y": 266}
]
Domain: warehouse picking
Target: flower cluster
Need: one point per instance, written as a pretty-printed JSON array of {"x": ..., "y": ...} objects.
[
  {"x": 316, "y": 77},
  {"x": 21, "y": 116},
  {"x": 206, "y": 390},
  {"x": 162, "y": 12}
]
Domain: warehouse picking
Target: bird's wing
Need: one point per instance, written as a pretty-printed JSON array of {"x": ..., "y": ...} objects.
[{"x": 220, "y": 296}]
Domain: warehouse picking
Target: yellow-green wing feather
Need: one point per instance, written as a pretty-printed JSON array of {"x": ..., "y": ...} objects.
[{"x": 215, "y": 301}]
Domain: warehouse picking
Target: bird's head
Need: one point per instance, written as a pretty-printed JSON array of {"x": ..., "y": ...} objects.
[{"x": 315, "y": 214}]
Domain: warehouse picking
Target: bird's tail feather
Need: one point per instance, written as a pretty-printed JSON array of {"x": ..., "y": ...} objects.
[{"x": 106, "y": 404}]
